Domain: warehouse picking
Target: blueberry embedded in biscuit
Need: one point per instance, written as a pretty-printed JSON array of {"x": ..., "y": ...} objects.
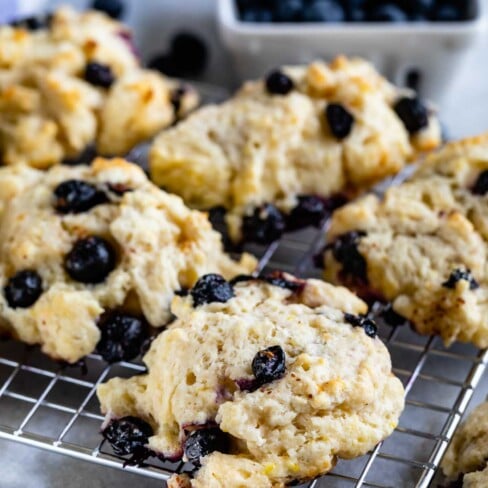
[
  {"x": 481, "y": 185},
  {"x": 202, "y": 442},
  {"x": 458, "y": 275},
  {"x": 211, "y": 288},
  {"x": 345, "y": 251},
  {"x": 76, "y": 196},
  {"x": 309, "y": 211},
  {"x": 122, "y": 336},
  {"x": 369, "y": 326},
  {"x": 277, "y": 83},
  {"x": 339, "y": 119},
  {"x": 128, "y": 435},
  {"x": 90, "y": 260},
  {"x": 269, "y": 365},
  {"x": 23, "y": 289},
  {"x": 265, "y": 225},
  {"x": 413, "y": 113},
  {"x": 99, "y": 74}
]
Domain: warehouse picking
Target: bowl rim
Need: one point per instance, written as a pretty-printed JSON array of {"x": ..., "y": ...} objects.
[{"x": 227, "y": 16}]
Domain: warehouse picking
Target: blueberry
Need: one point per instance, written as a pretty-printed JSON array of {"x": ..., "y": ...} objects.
[
  {"x": 32, "y": 23},
  {"x": 128, "y": 435},
  {"x": 309, "y": 211},
  {"x": 413, "y": 113},
  {"x": 76, "y": 196},
  {"x": 114, "y": 8},
  {"x": 481, "y": 185},
  {"x": 257, "y": 14},
  {"x": 23, "y": 289},
  {"x": 388, "y": 12},
  {"x": 202, "y": 442},
  {"x": 99, "y": 74},
  {"x": 211, "y": 288},
  {"x": 287, "y": 10},
  {"x": 339, "y": 119},
  {"x": 277, "y": 83},
  {"x": 367, "y": 324},
  {"x": 122, "y": 336},
  {"x": 269, "y": 365},
  {"x": 413, "y": 79},
  {"x": 264, "y": 226},
  {"x": 458, "y": 275},
  {"x": 391, "y": 317},
  {"x": 345, "y": 251},
  {"x": 277, "y": 278},
  {"x": 177, "y": 96},
  {"x": 189, "y": 54},
  {"x": 90, "y": 260},
  {"x": 324, "y": 11}
]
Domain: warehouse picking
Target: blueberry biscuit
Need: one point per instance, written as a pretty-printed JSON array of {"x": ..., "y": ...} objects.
[
  {"x": 423, "y": 246},
  {"x": 297, "y": 140},
  {"x": 75, "y": 82},
  {"x": 91, "y": 255},
  {"x": 467, "y": 456},
  {"x": 267, "y": 380}
]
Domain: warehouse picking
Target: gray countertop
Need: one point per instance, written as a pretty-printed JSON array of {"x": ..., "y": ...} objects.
[{"x": 465, "y": 112}]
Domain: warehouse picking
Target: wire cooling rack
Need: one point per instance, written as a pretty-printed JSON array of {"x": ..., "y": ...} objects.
[{"x": 54, "y": 407}]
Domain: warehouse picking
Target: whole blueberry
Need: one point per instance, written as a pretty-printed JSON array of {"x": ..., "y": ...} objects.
[
  {"x": 269, "y": 365},
  {"x": 277, "y": 83},
  {"x": 339, "y": 119},
  {"x": 211, "y": 288},
  {"x": 388, "y": 12},
  {"x": 287, "y": 10},
  {"x": 345, "y": 251},
  {"x": 413, "y": 113},
  {"x": 90, "y": 260},
  {"x": 309, "y": 211},
  {"x": 114, "y": 8},
  {"x": 257, "y": 14},
  {"x": 127, "y": 435},
  {"x": 459, "y": 275},
  {"x": 99, "y": 74},
  {"x": 23, "y": 289},
  {"x": 324, "y": 11},
  {"x": 481, "y": 185},
  {"x": 368, "y": 325},
  {"x": 265, "y": 225},
  {"x": 76, "y": 196},
  {"x": 202, "y": 442},
  {"x": 122, "y": 336}
]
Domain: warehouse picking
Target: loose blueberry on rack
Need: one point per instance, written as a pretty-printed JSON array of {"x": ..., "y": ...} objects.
[
  {"x": 76, "y": 196},
  {"x": 459, "y": 275},
  {"x": 367, "y": 324},
  {"x": 309, "y": 211},
  {"x": 481, "y": 185},
  {"x": 391, "y": 317},
  {"x": 269, "y": 365},
  {"x": 265, "y": 225},
  {"x": 277, "y": 83},
  {"x": 211, "y": 288},
  {"x": 339, "y": 119},
  {"x": 128, "y": 435},
  {"x": 345, "y": 250},
  {"x": 90, "y": 260},
  {"x": 122, "y": 336},
  {"x": 202, "y": 442},
  {"x": 323, "y": 11},
  {"x": 113, "y": 8},
  {"x": 23, "y": 289},
  {"x": 413, "y": 113},
  {"x": 99, "y": 74}
]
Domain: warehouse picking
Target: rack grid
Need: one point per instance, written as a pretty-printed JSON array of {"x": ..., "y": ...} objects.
[{"x": 54, "y": 407}]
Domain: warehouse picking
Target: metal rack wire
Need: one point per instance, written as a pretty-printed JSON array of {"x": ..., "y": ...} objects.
[{"x": 54, "y": 407}]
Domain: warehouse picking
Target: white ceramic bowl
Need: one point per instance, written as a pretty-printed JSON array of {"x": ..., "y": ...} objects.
[{"x": 434, "y": 49}]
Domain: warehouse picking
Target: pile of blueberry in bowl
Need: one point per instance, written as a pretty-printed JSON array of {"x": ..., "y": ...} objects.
[{"x": 266, "y": 11}]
